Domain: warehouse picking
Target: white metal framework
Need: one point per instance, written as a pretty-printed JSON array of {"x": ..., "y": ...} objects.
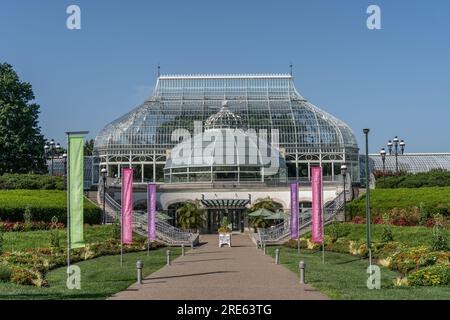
[
  {"x": 411, "y": 162},
  {"x": 307, "y": 135}
]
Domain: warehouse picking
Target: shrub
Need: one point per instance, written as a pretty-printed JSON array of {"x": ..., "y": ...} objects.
[
  {"x": 5, "y": 273},
  {"x": 115, "y": 230},
  {"x": 11, "y": 181},
  {"x": 435, "y": 275},
  {"x": 387, "y": 235},
  {"x": 45, "y": 205},
  {"x": 424, "y": 214},
  {"x": 335, "y": 231},
  {"x": 433, "y": 178},
  {"x": 1, "y": 242},
  {"x": 439, "y": 240},
  {"x": 434, "y": 200},
  {"x": 27, "y": 218}
]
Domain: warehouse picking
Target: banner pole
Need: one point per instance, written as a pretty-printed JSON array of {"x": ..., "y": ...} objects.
[
  {"x": 323, "y": 215},
  {"x": 121, "y": 223},
  {"x": 68, "y": 203},
  {"x": 148, "y": 219}
]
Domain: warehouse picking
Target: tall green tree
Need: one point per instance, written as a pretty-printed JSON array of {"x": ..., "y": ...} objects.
[
  {"x": 21, "y": 141},
  {"x": 89, "y": 147}
]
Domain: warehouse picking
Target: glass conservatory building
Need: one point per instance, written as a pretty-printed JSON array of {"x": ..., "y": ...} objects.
[{"x": 263, "y": 117}]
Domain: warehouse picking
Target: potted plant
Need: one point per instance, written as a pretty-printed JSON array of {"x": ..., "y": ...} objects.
[{"x": 224, "y": 233}]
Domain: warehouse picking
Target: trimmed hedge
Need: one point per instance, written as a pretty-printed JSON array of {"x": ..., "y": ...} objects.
[
  {"x": 433, "y": 178},
  {"x": 10, "y": 181},
  {"x": 44, "y": 205},
  {"x": 435, "y": 200}
]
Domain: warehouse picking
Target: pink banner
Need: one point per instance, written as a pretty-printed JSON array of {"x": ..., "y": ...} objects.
[
  {"x": 294, "y": 210},
  {"x": 127, "y": 205},
  {"x": 316, "y": 184},
  {"x": 151, "y": 208}
]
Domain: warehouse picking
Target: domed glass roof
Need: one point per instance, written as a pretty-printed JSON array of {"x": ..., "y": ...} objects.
[
  {"x": 224, "y": 147},
  {"x": 253, "y": 101}
]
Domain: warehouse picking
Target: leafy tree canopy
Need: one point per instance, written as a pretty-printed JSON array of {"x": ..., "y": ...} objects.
[
  {"x": 21, "y": 142},
  {"x": 89, "y": 147}
]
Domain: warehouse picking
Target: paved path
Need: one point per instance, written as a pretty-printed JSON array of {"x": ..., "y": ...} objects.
[{"x": 210, "y": 272}]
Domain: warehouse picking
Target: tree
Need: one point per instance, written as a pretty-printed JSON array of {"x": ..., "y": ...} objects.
[
  {"x": 89, "y": 148},
  {"x": 266, "y": 203},
  {"x": 190, "y": 215},
  {"x": 21, "y": 141}
]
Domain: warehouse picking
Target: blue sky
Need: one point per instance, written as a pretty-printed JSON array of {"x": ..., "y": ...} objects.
[{"x": 395, "y": 81}]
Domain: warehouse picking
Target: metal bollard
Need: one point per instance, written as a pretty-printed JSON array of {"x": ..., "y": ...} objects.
[
  {"x": 264, "y": 248},
  {"x": 182, "y": 250},
  {"x": 139, "y": 267},
  {"x": 277, "y": 256},
  {"x": 192, "y": 245},
  {"x": 168, "y": 257},
  {"x": 301, "y": 267}
]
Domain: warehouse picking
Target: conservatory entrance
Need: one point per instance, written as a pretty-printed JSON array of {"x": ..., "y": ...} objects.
[{"x": 233, "y": 209}]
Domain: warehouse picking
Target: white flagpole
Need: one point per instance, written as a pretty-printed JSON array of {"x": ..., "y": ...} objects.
[
  {"x": 121, "y": 223},
  {"x": 68, "y": 203},
  {"x": 323, "y": 215}
]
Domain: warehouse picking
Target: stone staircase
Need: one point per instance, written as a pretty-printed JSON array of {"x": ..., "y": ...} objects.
[
  {"x": 165, "y": 233},
  {"x": 280, "y": 233}
]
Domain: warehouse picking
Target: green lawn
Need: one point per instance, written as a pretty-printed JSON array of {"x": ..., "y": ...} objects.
[
  {"x": 20, "y": 241},
  {"x": 344, "y": 277},
  {"x": 411, "y": 236},
  {"x": 100, "y": 278}
]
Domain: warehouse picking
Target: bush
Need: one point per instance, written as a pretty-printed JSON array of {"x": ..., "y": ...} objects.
[
  {"x": 433, "y": 178},
  {"x": 5, "y": 273},
  {"x": 1, "y": 242},
  {"x": 436, "y": 275},
  {"x": 10, "y": 181},
  {"x": 405, "y": 204},
  {"x": 439, "y": 240},
  {"x": 336, "y": 231},
  {"x": 44, "y": 205}
]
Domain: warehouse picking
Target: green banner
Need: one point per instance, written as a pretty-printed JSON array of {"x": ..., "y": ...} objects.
[{"x": 76, "y": 179}]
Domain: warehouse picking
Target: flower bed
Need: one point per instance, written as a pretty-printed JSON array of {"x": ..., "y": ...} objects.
[
  {"x": 8, "y": 226},
  {"x": 30, "y": 267},
  {"x": 421, "y": 265}
]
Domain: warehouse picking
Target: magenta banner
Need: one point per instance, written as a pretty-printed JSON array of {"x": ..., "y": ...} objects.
[
  {"x": 127, "y": 205},
  {"x": 151, "y": 208},
  {"x": 316, "y": 184},
  {"x": 294, "y": 210}
]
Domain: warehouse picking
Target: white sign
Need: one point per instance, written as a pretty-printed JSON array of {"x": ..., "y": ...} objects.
[{"x": 224, "y": 238}]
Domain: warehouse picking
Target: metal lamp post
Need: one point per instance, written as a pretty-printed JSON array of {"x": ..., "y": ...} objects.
[
  {"x": 104, "y": 173},
  {"x": 344, "y": 176},
  {"x": 368, "y": 218},
  {"x": 65, "y": 163},
  {"x": 50, "y": 149},
  {"x": 383, "y": 158},
  {"x": 394, "y": 144}
]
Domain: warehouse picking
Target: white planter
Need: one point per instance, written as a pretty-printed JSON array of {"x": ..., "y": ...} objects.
[{"x": 224, "y": 238}]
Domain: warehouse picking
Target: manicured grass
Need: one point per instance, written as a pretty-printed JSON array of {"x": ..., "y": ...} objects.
[
  {"x": 344, "y": 277},
  {"x": 411, "y": 236},
  {"x": 100, "y": 278},
  {"x": 44, "y": 205},
  {"x": 434, "y": 199},
  {"x": 20, "y": 241}
]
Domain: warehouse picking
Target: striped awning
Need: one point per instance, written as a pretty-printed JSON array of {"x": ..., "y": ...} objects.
[{"x": 225, "y": 203}]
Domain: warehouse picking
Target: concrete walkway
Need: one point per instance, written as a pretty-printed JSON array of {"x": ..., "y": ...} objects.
[{"x": 210, "y": 272}]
